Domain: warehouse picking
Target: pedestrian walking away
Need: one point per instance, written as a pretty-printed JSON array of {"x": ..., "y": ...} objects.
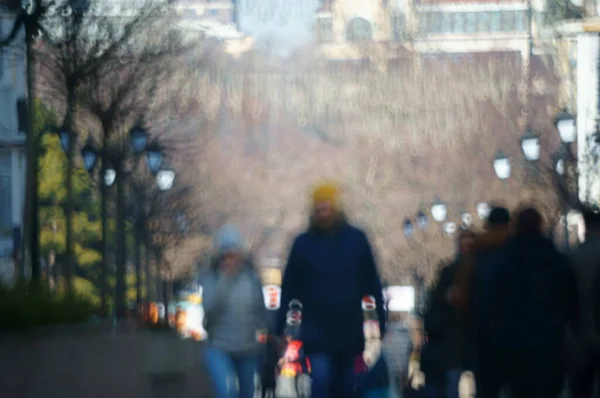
[
  {"x": 586, "y": 266},
  {"x": 526, "y": 313},
  {"x": 446, "y": 325}
]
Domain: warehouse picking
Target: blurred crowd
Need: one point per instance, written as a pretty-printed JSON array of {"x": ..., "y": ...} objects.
[{"x": 510, "y": 309}]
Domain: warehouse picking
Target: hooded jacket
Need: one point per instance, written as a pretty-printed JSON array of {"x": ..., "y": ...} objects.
[
  {"x": 235, "y": 309},
  {"x": 330, "y": 271}
]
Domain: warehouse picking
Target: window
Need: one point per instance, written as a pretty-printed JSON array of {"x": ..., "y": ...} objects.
[
  {"x": 521, "y": 21},
  {"x": 324, "y": 30},
  {"x": 359, "y": 29},
  {"x": 483, "y": 21},
  {"x": 471, "y": 22},
  {"x": 424, "y": 23},
  {"x": 495, "y": 21},
  {"x": 459, "y": 22},
  {"x": 445, "y": 22},
  {"x": 435, "y": 19},
  {"x": 508, "y": 21},
  {"x": 398, "y": 25}
]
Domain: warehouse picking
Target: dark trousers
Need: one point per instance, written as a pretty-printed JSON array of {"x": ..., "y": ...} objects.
[
  {"x": 332, "y": 376},
  {"x": 529, "y": 373},
  {"x": 583, "y": 381}
]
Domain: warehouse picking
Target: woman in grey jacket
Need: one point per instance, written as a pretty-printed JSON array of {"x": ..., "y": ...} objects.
[{"x": 235, "y": 316}]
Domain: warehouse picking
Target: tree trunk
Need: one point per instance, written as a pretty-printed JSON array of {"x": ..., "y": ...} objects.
[
  {"x": 165, "y": 288},
  {"x": 121, "y": 307},
  {"x": 104, "y": 220},
  {"x": 147, "y": 272},
  {"x": 138, "y": 263},
  {"x": 32, "y": 152},
  {"x": 69, "y": 260},
  {"x": 148, "y": 279}
]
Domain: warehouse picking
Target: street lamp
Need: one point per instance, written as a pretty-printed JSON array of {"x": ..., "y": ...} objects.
[
  {"x": 559, "y": 161},
  {"x": 422, "y": 220},
  {"x": 483, "y": 210},
  {"x": 502, "y": 165},
  {"x": 165, "y": 178},
  {"x": 89, "y": 155},
  {"x": 466, "y": 219},
  {"x": 408, "y": 228},
  {"x": 439, "y": 211},
  {"x": 138, "y": 138},
  {"x": 65, "y": 137},
  {"x": 530, "y": 144},
  {"x": 449, "y": 228},
  {"x": 154, "y": 157},
  {"x": 565, "y": 124},
  {"x": 110, "y": 175}
]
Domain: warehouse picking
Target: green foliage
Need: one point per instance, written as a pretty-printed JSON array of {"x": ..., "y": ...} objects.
[
  {"x": 53, "y": 195},
  {"x": 24, "y": 306}
]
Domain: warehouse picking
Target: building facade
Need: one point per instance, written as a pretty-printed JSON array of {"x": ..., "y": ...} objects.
[
  {"x": 427, "y": 26},
  {"x": 12, "y": 141}
]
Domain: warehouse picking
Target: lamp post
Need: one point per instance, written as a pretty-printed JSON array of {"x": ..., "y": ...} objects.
[
  {"x": 502, "y": 166},
  {"x": 407, "y": 228},
  {"x": 422, "y": 220},
  {"x": 108, "y": 175},
  {"x": 439, "y": 211},
  {"x": 466, "y": 220},
  {"x": 530, "y": 144},
  {"x": 29, "y": 18},
  {"x": 483, "y": 210},
  {"x": 165, "y": 176},
  {"x": 565, "y": 124}
]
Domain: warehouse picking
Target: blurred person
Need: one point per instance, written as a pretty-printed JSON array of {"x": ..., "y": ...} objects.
[
  {"x": 447, "y": 326},
  {"x": 235, "y": 316},
  {"x": 526, "y": 313},
  {"x": 586, "y": 266},
  {"x": 471, "y": 284},
  {"x": 397, "y": 349},
  {"x": 330, "y": 268},
  {"x": 375, "y": 380}
]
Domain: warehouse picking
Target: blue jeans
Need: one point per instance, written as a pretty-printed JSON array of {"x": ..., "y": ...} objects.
[
  {"x": 377, "y": 393},
  {"x": 450, "y": 387},
  {"x": 332, "y": 376},
  {"x": 452, "y": 382},
  {"x": 232, "y": 377}
]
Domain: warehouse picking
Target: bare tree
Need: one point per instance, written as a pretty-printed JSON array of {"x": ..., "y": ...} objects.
[
  {"x": 109, "y": 69},
  {"x": 395, "y": 138}
]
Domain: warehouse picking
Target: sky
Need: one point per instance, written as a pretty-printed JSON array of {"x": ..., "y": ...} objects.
[{"x": 283, "y": 24}]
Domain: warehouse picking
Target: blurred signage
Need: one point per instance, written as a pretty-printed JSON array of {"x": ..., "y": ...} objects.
[
  {"x": 400, "y": 298},
  {"x": 272, "y": 295}
]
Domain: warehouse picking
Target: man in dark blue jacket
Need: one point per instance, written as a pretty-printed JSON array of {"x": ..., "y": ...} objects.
[{"x": 330, "y": 268}]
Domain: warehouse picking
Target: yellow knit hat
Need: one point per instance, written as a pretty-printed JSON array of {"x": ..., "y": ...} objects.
[{"x": 327, "y": 192}]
